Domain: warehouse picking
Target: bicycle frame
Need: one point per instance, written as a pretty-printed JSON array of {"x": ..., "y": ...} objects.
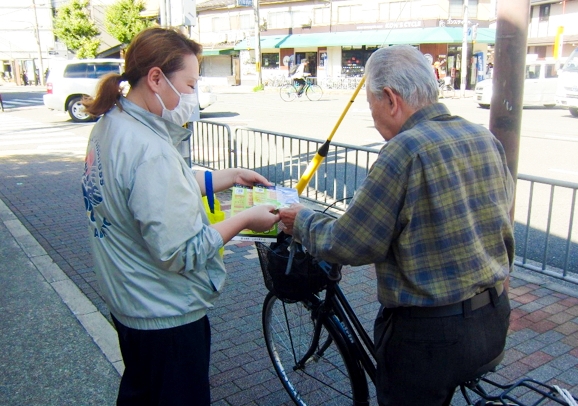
[{"x": 336, "y": 301}]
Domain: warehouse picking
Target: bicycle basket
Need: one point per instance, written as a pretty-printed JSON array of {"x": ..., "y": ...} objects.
[{"x": 307, "y": 276}]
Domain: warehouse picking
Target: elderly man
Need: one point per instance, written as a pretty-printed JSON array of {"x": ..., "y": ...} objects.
[{"x": 433, "y": 215}]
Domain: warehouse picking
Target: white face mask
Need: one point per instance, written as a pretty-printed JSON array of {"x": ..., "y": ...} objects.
[{"x": 183, "y": 111}]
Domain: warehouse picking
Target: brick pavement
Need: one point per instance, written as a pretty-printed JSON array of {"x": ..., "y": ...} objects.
[{"x": 44, "y": 194}]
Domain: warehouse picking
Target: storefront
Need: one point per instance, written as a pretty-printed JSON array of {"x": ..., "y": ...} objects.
[{"x": 344, "y": 54}]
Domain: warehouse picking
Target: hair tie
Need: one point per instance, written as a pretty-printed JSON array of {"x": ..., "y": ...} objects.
[{"x": 123, "y": 77}]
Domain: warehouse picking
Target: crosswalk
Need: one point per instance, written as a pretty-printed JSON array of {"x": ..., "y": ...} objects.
[
  {"x": 30, "y": 101},
  {"x": 20, "y": 136}
]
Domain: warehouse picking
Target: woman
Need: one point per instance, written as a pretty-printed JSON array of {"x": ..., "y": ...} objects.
[{"x": 155, "y": 255}]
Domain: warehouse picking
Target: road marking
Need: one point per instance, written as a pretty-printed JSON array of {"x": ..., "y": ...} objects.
[{"x": 27, "y": 137}]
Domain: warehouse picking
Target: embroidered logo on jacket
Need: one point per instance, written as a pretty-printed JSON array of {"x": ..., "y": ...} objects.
[{"x": 92, "y": 181}]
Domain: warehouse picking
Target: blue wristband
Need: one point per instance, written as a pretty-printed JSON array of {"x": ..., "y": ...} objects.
[{"x": 209, "y": 190}]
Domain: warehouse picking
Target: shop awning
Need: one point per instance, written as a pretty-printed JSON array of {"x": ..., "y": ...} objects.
[
  {"x": 267, "y": 41},
  {"x": 213, "y": 52},
  {"x": 413, "y": 36}
]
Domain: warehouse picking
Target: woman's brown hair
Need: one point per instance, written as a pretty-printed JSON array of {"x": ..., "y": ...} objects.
[{"x": 152, "y": 47}]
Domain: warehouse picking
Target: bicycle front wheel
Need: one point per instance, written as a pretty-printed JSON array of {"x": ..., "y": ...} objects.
[
  {"x": 314, "y": 92},
  {"x": 288, "y": 92},
  {"x": 330, "y": 376}
]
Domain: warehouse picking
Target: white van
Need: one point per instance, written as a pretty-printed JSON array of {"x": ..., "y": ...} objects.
[
  {"x": 70, "y": 81},
  {"x": 539, "y": 86}
]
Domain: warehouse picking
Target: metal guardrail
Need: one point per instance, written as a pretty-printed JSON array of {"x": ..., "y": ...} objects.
[{"x": 543, "y": 241}]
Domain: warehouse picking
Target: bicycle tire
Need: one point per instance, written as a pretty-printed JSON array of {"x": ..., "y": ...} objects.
[
  {"x": 448, "y": 92},
  {"x": 314, "y": 92},
  {"x": 288, "y": 93},
  {"x": 331, "y": 378}
]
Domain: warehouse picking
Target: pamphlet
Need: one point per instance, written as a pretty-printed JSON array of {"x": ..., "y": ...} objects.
[{"x": 244, "y": 197}]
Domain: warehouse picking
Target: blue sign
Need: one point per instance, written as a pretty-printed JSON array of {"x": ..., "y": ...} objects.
[{"x": 244, "y": 3}]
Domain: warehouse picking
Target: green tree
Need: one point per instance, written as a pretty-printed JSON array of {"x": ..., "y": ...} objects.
[
  {"x": 123, "y": 20},
  {"x": 73, "y": 26}
]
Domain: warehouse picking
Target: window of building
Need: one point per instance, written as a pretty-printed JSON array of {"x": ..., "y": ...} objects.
[
  {"x": 353, "y": 60},
  {"x": 220, "y": 24},
  {"x": 281, "y": 19},
  {"x": 400, "y": 10},
  {"x": 246, "y": 21},
  {"x": 321, "y": 16},
  {"x": 456, "y": 9},
  {"x": 301, "y": 18},
  {"x": 348, "y": 14},
  {"x": 544, "y": 12},
  {"x": 270, "y": 61}
]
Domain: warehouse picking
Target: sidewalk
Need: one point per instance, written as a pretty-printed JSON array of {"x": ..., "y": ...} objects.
[{"x": 58, "y": 349}]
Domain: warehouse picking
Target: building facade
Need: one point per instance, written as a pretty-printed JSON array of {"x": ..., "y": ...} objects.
[
  {"x": 549, "y": 20},
  {"x": 337, "y": 36},
  {"x": 26, "y": 37}
]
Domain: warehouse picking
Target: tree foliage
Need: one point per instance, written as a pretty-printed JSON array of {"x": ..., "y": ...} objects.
[
  {"x": 123, "y": 20},
  {"x": 73, "y": 26}
]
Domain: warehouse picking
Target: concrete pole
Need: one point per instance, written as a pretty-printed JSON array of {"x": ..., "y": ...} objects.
[
  {"x": 163, "y": 13},
  {"x": 37, "y": 33},
  {"x": 257, "y": 45},
  {"x": 508, "y": 77},
  {"x": 464, "y": 64}
]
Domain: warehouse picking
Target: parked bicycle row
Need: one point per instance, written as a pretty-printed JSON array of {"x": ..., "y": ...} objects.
[{"x": 342, "y": 83}]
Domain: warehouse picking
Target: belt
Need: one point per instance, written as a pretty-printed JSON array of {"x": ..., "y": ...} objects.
[{"x": 476, "y": 302}]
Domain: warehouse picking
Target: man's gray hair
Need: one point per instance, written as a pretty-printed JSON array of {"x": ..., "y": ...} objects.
[{"x": 405, "y": 70}]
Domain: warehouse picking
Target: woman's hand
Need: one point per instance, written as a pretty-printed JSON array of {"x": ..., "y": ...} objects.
[
  {"x": 257, "y": 218},
  {"x": 226, "y": 178},
  {"x": 261, "y": 218},
  {"x": 248, "y": 177},
  {"x": 288, "y": 215}
]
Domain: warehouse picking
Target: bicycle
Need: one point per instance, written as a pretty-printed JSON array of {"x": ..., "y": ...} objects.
[
  {"x": 445, "y": 88},
  {"x": 323, "y": 355},
  {"x": 313, "y": 92}
]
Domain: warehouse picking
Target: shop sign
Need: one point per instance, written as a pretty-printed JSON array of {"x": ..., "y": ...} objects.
[
  {"x": 452, "y": 23},
  {"x": 244, "y": 3},
  {"x": 393, "y": 25}
]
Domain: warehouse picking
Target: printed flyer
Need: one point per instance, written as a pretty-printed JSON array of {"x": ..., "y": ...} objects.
[{"x": 243, "y": 197}]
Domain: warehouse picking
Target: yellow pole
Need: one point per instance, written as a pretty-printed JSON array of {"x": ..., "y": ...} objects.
[{"x": 324, "y": 149}]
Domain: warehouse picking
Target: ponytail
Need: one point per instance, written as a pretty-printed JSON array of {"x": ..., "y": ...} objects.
[{"x": 107, "y": 94}]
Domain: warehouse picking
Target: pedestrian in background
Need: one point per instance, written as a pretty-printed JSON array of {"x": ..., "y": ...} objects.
[
  {"x": 433, "y": 215},
  {"x": 156, "y": 257}
]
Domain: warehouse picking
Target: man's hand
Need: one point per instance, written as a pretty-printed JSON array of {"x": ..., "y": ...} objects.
[{"x": 288, "y": 217}]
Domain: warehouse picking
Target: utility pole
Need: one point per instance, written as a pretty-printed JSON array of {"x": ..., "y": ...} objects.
[
  {"x": 508, "y": 78},
  {"x": 464, "y": 64},
  {"x": 163, "y": 13},
  {"x": 37, "y": 34},
  {"x": 257, "y": 45}
]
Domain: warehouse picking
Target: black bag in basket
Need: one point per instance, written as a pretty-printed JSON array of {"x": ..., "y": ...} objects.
[{"x": 307, "y": 274}]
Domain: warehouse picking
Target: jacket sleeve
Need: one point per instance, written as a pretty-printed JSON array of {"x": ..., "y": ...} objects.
[{"x": 170, "y": 218}]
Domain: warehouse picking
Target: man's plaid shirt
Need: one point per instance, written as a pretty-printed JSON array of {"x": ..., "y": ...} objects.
[{"x": 433, "y": 214}]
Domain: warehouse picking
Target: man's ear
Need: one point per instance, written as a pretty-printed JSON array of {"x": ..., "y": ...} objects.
[{"x": 392, "y": 97}]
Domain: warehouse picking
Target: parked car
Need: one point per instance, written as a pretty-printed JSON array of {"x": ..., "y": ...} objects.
[
  {"x": 539, "y": 86},
  {"x": 70, "y": 81}
]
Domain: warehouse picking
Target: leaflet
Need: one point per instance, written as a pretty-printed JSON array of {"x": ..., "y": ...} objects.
[{"x": 244, "y": 197}]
